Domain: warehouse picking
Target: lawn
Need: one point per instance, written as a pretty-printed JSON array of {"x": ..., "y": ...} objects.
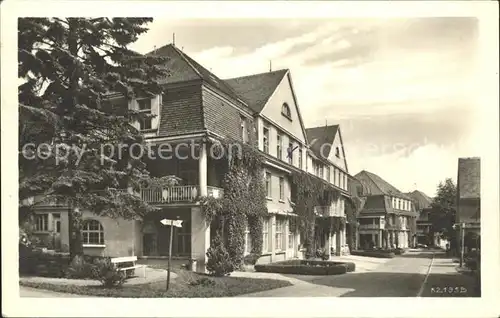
[{"x": 186, "y": 285}]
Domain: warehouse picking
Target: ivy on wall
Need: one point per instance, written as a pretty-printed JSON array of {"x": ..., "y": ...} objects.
[
  {"x": 244, "y": 201},
  {"x": 310, "y": 191}
]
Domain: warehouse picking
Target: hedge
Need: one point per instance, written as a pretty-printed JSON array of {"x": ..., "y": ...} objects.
[
  {"x": 307, "y": 267},
  {"x": 377, "y": 254}
]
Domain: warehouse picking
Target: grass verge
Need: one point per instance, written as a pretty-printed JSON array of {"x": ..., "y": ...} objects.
[{"x": 187, "y": 285}]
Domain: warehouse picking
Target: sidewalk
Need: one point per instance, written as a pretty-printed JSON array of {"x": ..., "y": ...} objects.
[{"x": 447, "y": 280}]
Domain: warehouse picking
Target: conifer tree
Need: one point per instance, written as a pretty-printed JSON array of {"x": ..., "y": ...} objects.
[{"x": 71, "y": 68}]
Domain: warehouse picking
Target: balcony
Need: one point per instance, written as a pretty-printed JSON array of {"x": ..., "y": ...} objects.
[
  {"x": 371, "y": 227},
  {"x": 328, "y": 211},
  {"x": 177, "y": 194}
]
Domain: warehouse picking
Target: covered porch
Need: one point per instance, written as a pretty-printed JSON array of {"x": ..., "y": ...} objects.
[{"x": 200, "y": 171}]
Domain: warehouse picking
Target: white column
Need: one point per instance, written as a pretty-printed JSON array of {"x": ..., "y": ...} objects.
[
  {"x": 287, "y": 226},
  {"x": 328, "y": 243},
  {"x": 202, "y": 169},
  {"x": 272, "y": 239},
  {"x": 200, "y": 239},
  {"x": 338, "y": 243}
]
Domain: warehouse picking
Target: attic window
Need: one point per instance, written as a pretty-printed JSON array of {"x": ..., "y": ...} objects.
[
  {"x": 285, "y": 111},
  {"x": 337, "y": 152}
]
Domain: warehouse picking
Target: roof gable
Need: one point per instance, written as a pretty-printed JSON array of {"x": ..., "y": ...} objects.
[
  {"x": 469, "y": 178},
  {"x": 256, "y": 89},
  {"x": 375, "y": 185},
  {"x": 421, "y": 200},
  {"x": 318, "y": 136}
]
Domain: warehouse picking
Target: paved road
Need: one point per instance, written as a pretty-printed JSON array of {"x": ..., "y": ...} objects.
[{"x": 403, "y": 276}]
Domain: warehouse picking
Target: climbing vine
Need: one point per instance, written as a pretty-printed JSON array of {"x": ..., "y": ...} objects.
[
  {"x": 310, "y": 191},
  {"x": 243, "y": 204}
]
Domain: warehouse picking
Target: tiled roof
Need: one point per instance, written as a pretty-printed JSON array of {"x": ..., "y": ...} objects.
[
  {"x": 422, "y": 200},
  {"x": 323, "y": 135},
  {"x": 184, "y": 68},
  {"x": 469, "y": 178},
  {"x": 256, "y": 89},
  {"x": 375, "y": 185}
]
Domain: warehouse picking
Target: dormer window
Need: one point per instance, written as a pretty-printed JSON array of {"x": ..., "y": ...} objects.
[
  {"x": 285, "y": 111},
  {"x": 337, "y": 152},
  {"x": 144, "y": 106}
]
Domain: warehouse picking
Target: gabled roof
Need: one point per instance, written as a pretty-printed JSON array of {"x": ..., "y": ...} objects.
[
  {"x": 184, "y": 68},
  {"x": 375, "y": 185},
  {"x": 256, "y": 89},
  {"x": 422, "y": 200},
  {"x": 469, "y": 178},
  {"x": 323, "y": 135}
]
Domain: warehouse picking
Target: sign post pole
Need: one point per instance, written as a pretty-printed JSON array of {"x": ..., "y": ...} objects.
[
  {"x": 172, "y": 223},
  {"x": 170, "y": 253},
  {"x": 462, "y": 228}
]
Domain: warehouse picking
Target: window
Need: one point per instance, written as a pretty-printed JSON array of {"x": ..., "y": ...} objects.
[
  {"x": 285, "y": 111},
  {"x": 280, "y": 225},
  {"x": 282, "y": 188},
  {"x": 291, "y": 237},
  {"x": 248, "y": 241},
  {"x": 320, "y": 171},
  {"x": 399, "y": 204},
  {"x": 337, "y": 152},
  {"x": 268, "y": 185},
  {"x": 93, "y": 233},
  {"x": 341, "y": 180},
  {"x": 328, "y": 177},
  {"x": 244, "y": 131},
  {"x": 144, "y": 104},
  {"x": 409, "y": 206},
  {"x": 265, "y": 140},
  {"x": 290, "y": 152},
  {"x": 265, "y": 235},
  {"x": 338, "y": 178},
  {"x": 279, "y": 146},
  {"x": 300, "y": 158},
  {"x": 359, "y": 190},
  {"x": 42, "y": 222}
]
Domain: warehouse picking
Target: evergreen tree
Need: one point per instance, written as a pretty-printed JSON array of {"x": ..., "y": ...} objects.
[
  {"x": 443, "y": 210},
  {"x": 71, "y": 68}
]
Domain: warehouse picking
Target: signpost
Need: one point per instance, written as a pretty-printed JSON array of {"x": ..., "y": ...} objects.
[
  {"x": 172, "y": 223},
  {"x": 462, "y": 249}
]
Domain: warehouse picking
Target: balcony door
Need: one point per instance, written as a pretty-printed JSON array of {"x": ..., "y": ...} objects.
[{"x": 189, "y": 177}]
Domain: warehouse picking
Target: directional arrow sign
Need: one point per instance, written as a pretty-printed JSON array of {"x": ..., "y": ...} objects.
[{"x": 176, "y": 223}]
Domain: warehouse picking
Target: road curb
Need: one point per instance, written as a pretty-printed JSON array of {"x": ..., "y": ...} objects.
[{"x": 421, "y": 291}]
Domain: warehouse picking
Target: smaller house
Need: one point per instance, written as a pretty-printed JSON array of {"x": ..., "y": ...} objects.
[
  {"x": 388, "y": 217},
  {"x": 422, "y": 204},
  {"x": 469, "y": 198}
]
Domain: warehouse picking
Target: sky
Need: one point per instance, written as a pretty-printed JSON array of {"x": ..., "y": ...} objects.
[{"x": 400, "y": 89}]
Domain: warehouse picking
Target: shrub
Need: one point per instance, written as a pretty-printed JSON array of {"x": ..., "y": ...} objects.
[
  {"x": 218, "y": 263},
  {"x": 204, "y": 281},
  {"x": 307, "y": 267},
  {"x": 377, "y": 254},
  {"x": 251, "y": 259},
  {"x": 39, "y": 263},
  {"x": 79, "y": 268},
  {"x": 322, "y": 253},
  {"x": 107, "y": 273}
]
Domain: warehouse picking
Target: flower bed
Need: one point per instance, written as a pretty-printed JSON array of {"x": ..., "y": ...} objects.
[
  {"x": 377, "y": 254},
  {"x": 307, "y": 267}
]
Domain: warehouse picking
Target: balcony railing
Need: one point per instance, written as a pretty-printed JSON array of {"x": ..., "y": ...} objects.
[
  {"x": 327, "y": 211},
  {"x": 177, "y": 194}
]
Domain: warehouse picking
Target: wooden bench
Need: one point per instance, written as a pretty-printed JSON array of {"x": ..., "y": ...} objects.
[{"x": 128, "y": 259}]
